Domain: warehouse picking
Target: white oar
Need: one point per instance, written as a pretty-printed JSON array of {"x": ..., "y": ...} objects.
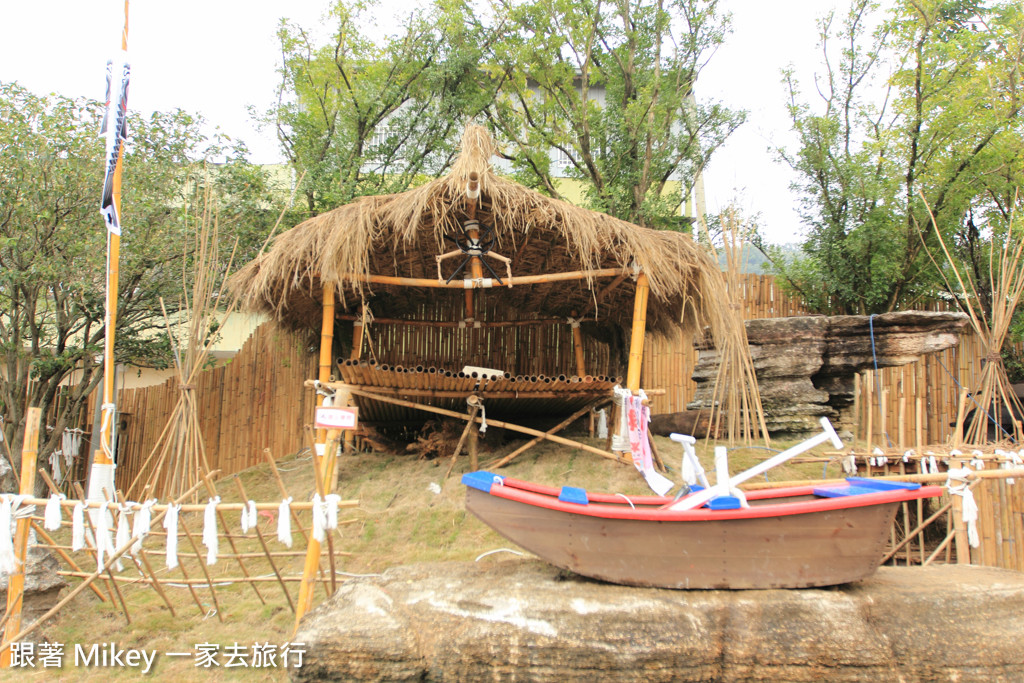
[{"x": 695, "y": 500}]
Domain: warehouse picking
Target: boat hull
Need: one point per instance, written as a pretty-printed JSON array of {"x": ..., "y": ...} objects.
[{"x": 816, "y": 548}]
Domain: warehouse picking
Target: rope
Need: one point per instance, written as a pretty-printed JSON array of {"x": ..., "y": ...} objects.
[{"x": 878, "y": 378}]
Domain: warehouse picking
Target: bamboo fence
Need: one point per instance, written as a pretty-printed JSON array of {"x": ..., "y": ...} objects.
[{"x": 258, "y": 400}]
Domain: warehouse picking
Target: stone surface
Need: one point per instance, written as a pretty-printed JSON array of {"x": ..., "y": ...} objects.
[
  {"x": 42, "y": 583},
  {"x": 523, "y": 620},
  {"x": 806, "y": 365}
]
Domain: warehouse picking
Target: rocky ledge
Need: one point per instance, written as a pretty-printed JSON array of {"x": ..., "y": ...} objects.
[{"x": 523, "y": 620}]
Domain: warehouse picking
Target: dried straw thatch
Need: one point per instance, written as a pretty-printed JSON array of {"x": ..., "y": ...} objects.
[{"x": 399, "y": 235}]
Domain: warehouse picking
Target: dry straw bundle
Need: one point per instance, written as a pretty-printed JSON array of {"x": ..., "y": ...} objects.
[{"x": 1006, "y": 282}]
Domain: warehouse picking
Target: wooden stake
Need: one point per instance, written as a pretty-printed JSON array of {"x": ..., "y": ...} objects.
[{"x": 16, "y": 581}]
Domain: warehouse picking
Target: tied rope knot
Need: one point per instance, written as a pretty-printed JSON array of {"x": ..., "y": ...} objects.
[
  {"x": 957, "y": 485},
  {"x": 474, "y": 401}
]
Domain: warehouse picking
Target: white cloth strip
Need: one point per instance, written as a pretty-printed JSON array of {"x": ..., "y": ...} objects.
[
  {"x": 956, "y": 484},
  {"x": 52, "y": 513},
  {"x": 210, "y": 530},
  {"x": 284, "y": 522},
  {"x": 331, "y": 502},
  {"x": 319, "y": 518},
  {"x": 8, "y": 560},
  {"x": 141, "y": 524},
  {"x": 171, "y": 525}
]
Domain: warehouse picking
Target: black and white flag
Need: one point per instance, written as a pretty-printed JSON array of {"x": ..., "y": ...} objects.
[{"x": 115, "y": 131}]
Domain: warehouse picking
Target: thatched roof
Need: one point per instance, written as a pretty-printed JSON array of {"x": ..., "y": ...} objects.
[{"x": 399, "y": 235}]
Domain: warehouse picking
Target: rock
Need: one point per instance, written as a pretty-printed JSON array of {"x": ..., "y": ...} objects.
[
  {"x": 525, "y": 620},
  {"x": 42, "y": 584},
  {"x": 806, "y": 365}
]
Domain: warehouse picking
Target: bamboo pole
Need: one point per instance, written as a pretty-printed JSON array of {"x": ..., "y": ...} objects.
[
  {"x": 554, "y": 430},
  {"x": 636, "y": 343},
  {"x": 493, "y": 423},
  {"x": 114, "y": 556},
  {"x": 202, "y": 566},
  {"x": 484, "y": 283},
  {"x": 470, "y": 425},
  {"x": 52, "y": 545},
  {"x": 266, "y": 550},
  {"x": 16, "y": 581},
  {"x": 101, "y": 475},
  {"x": 323, "y": 460}
]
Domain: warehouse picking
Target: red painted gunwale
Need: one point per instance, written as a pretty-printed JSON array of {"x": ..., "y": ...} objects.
[{"x": 649, "y": 508}]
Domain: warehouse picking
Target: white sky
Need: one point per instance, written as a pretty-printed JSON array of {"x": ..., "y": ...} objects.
[{"x": 217, "y": 57}]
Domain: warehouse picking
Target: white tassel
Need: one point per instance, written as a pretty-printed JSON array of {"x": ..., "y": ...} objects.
[
  {"x": 970, "y": 506},
  {"x": 78, "y": 527},
  {"x": 104, "y": 542},
  {"x": 8, "y": 561},
  {"x": 284, "y": 522},
  {"x": 210, "y": 530},
  {"x": 52, "y": 516},
  {"x": 319, "y": 518},
  {"x": 249, "y": 517},
  {"x": 602, "y": 424},
  {"x": 331, "y": 501},
  {"x": 124, "y": 534},
  {"x": 171, "y": 525},
  {"x": 850, "y": 464},
  {"x": 141, "y": 523}
]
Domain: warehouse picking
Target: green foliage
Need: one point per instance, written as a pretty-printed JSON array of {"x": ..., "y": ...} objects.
[
  {"x": 53, "y": 243},
  {"x": 922, "y": 101},
  {"x": 359, "y": 115},
  {"x": 611, "y": 88}
]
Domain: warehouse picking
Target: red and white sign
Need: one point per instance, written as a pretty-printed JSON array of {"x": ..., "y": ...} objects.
[{"x": 337, "y": 418}]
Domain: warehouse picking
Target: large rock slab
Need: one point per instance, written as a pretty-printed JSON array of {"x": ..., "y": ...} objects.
[
  {"x": 806, "y": 365},
  {"x": 523, "y": 620}
]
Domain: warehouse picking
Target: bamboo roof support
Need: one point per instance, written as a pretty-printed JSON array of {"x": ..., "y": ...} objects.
[
  {"x": 636, "y": 344},
  {"x": 483, "y": 283}
]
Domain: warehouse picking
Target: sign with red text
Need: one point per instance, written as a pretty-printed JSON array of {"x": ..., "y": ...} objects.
[{"x": 337, "y": 418}]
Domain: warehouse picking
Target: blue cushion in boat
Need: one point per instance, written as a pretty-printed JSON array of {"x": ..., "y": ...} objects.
[
  {"x": 724, "y": 503},
  {"x": 859, "y": 486},
  {"x": 572, "y": 494},
  {"x": 481, "y": 479}
]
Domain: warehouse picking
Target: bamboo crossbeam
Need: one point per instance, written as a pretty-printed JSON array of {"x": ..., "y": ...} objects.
[
  {"x": 61, "y": 550},
  {"x": 188, "y": 582},
  {"x": 457, "y": 323},
  {"x": 190, "y": 507},
  {"x": 482, "y": 283},
  {"x": 914, "y": 478},
  {"x": 554, "y": 430},
  {"x": 114, "y": 556},
  {"x": 909, "y": 536},
  {"x": 494, "y": 423}
]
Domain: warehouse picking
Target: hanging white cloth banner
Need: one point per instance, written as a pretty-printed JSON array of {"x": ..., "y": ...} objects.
[
  {"x": 114, "y": 131},
  {"x": 171, "y": 525},
  {"x": 639, "y": 415}
]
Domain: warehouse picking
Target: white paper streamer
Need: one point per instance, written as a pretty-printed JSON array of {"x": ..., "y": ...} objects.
[
  {"x": 78, "y": 527},
  {"x": 124, "y": 534},
  {"x": 331, "y": 502},
  {"x": 8, "y": 561},
  {"x": 52, "y": 513},
  {"x": 602, "y": 424},
  {"x": 210, "y": 530},
  {"x": 284, "y": 522},
  {"x": 171, "y": 525},
  {"x": 141, "y": 524},
  {"x": 319, "y": 518}
]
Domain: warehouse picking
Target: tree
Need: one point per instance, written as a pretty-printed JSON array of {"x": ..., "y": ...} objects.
[
  {"x": 610, "y": 87},
  {"x": 917, "y": 110},
  {"x": 52, "y": 248},
  {"x": 360, "y": 115}
]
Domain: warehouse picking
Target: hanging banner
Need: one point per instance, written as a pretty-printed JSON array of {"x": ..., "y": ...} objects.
[
  {"x": 337, "y": 418},
  {"x": 115, "y": 132}
]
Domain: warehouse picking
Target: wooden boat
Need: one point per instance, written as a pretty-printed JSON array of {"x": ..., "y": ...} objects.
[{"x": 794, "y": 537}]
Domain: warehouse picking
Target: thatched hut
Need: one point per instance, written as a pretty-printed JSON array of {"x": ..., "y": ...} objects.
[{"x": 551, "y": 299}]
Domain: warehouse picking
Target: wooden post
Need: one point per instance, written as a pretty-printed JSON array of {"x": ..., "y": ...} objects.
[
  {"x": 323, "y": 459},
  {"x": 577, "y": 345},
  {"x": 636, "y": 343},
  {"x": 16, "y": 581}
]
